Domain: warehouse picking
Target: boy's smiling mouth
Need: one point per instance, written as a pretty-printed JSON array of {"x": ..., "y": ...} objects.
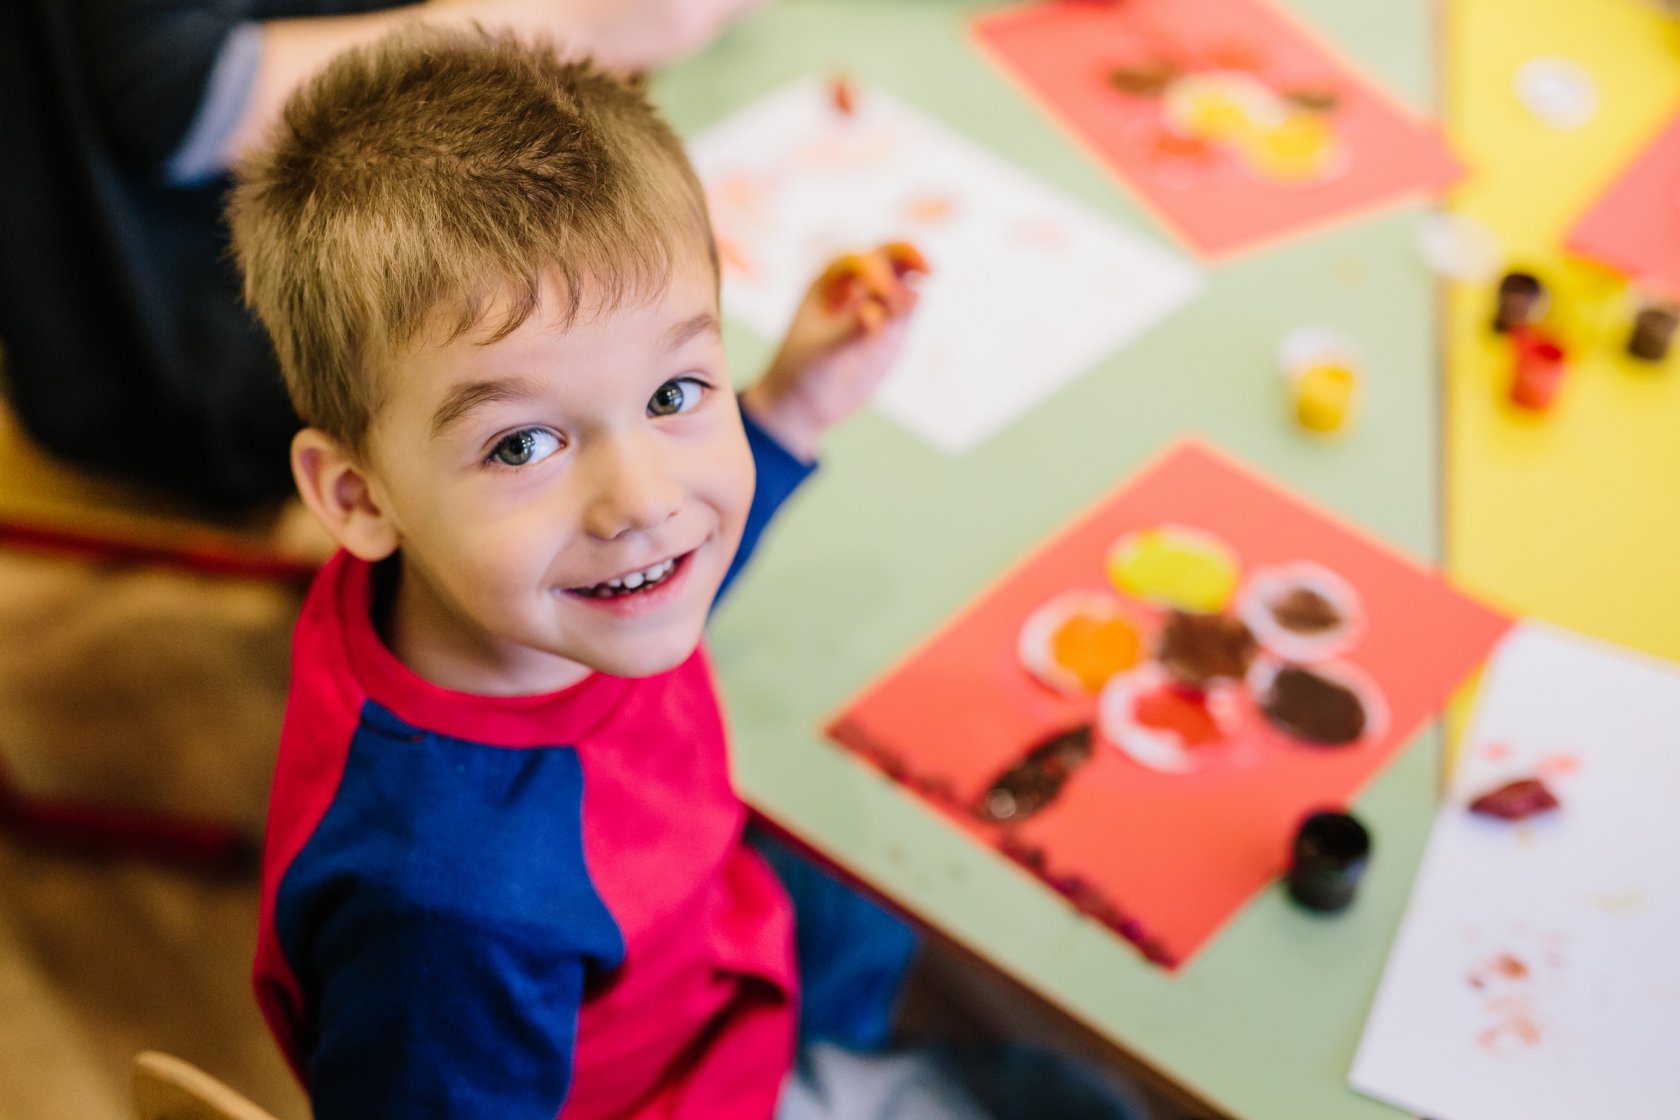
[{"x": 634, "y": 583}]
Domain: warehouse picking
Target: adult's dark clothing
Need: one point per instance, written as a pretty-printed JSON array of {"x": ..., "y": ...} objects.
[{"x": 127, "y": 347}]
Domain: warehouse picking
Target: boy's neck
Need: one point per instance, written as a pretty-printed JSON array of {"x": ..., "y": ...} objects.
[{"x": 440, "y": 647}]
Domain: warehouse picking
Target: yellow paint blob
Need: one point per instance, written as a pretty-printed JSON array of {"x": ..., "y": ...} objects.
[
  {"x": 1217, "y": 108},
  {"x": 1324, "y": 397},
  {"x": 1095, "y": 648},
  {"x": 1216, "y": 116},
  {"x": 1300, "y": 148},
  {"x": 1178, "y": 568}
]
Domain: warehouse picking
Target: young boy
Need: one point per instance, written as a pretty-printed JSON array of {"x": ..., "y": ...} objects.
[{"x": 504, "y": 872}]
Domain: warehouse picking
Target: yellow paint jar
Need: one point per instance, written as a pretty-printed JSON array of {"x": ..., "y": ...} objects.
[
  {"x": 1323, "y": 369},
  {"x": 1324, "y": 397}
]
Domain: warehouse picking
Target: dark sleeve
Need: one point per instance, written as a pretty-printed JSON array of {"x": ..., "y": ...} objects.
[
  {"x": 428, "y": 1015},
  {"x": 146, "y": 64},
  {"x": 779, "y": 475}
]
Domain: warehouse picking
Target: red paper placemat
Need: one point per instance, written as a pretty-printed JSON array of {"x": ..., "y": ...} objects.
[
  {"x": 1215, "y": 195},
  {"x": 1635, "y": 225},
  {"x": 1165, "y": 859}
]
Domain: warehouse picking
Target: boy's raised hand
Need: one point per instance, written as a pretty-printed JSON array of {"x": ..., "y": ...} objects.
[{"x": 843, "y": 340}]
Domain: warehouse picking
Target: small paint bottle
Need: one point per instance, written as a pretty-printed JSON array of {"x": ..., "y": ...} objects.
[
  {"x": 1522, "y": 300},
  {"x": 1653, "y": 331},
  {"x": 1539, "y": 366},
  {"x": 1323, "y": 371},
  {"x": 1327, "y": 861},
  {"x": 1324, "y": 397}
]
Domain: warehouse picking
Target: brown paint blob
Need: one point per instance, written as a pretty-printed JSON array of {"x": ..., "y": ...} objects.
[
  {"x": 1031, "y": 784},
  {"x": 1145, "y": 79},
  {"x": 1302, "y": 610},
  {"x": 1199, "y": 648},
  {"x": 1313, "y": 708}
]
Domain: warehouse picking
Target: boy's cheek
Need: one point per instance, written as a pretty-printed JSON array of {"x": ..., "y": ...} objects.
[{"x": 743, "y": 481}]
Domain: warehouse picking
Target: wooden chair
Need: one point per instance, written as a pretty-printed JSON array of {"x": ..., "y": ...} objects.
[
  {"x": 167, "y": 1088},
  {"x": 50, "y": 508}
]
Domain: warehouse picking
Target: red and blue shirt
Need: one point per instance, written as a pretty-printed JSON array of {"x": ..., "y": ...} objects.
[{"x": 512, "y": 906}]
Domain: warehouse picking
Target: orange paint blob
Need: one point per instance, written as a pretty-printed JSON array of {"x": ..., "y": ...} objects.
[
  {"x": 1095, "y": 649},
  {"x": 732, "y": 258},
  {"x": 1170, "y": 145},
  {"x": 1171, "y": 709},
  {"x": 1507, "y": 965},
  {"x": 930, "y": 208},
  {"x": 1559, "y": 765},
  {"x": 840, "y": 93}
]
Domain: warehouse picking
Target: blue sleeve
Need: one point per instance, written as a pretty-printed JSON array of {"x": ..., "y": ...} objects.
[
  {"x": 853, "y": 952},
  {"x": 442, "y": 923},
  {"x": 424, "y": 1014},
  {"x": 779, "y": 475}
]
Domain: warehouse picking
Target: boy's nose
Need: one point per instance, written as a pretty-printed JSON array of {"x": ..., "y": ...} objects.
[{"x": 632, "y": 489}]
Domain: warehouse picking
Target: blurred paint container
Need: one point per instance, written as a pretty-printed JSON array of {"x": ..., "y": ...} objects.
[
  {"x": 1323, "y": 372},
  {"x": 1540, "y": 365},
  {"x": 1522, "y": 300},
  {"x": 1328, "y": 860},
  {"x": 1653, "y": 331}
]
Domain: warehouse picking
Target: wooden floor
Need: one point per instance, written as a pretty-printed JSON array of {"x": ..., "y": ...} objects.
[
  {"x": 150, "y": 689},
  {"x": 98, "y": 962}
]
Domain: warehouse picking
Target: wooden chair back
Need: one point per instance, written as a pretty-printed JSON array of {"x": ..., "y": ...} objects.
[{"x": 167, "y": 1088}]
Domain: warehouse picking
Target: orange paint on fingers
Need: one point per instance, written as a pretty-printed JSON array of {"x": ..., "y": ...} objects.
[
  {"x": 855, "y": 275},
  {"x": 905, "y": 258},
  {"x": 871, "y": 317}
]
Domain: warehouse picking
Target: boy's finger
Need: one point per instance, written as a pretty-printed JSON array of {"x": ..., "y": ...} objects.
[
  {"x": 904, "y": 257},
  {"x": 879, "y": 280},
  {"x": 905, "y": 260},
  {"x": 869, "y": 275},
  {"x": 871, "y": 317},
  {"x": 834, "y": 286}
]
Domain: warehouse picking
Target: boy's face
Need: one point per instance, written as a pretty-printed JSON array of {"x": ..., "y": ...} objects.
[{"x": 565, "y": 500}]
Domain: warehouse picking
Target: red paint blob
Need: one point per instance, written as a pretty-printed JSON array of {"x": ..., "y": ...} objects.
[
  {"x": 1515, "y": 801},
  {"x": 1171, "y": 709}
]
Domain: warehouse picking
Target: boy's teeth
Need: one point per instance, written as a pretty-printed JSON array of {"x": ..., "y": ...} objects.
[{"x": 636, "y": 580}]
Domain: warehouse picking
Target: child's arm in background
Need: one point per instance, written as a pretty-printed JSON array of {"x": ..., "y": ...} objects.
[{"x": 844, "y": 339}]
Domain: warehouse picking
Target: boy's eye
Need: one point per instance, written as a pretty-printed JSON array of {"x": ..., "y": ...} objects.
[
  {"x": 524, "y": 447},
  {"x": 677, "y": 395}
]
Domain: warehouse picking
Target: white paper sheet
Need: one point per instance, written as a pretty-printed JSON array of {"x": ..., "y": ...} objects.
[
  {"x": 1536, "y": 975},
  {"x": 1029, "y": 289}
]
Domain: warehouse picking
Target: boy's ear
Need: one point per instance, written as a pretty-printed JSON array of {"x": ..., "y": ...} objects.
[{"x": 336, "y": 489}]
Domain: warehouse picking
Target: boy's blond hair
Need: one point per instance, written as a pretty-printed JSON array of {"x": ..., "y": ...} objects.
[{"x": 432, "y": 182}]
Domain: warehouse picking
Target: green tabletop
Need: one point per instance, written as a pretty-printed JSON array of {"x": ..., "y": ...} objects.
[{"x": 892, "y": 537}]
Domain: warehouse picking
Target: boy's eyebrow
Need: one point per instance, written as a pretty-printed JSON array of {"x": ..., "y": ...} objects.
[
  {"x": 692, "y": 328},
  {"x": 473, "y": 394}
]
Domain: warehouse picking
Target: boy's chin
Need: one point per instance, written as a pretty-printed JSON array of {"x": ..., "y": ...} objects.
[{"x": 648, "y": 660}]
